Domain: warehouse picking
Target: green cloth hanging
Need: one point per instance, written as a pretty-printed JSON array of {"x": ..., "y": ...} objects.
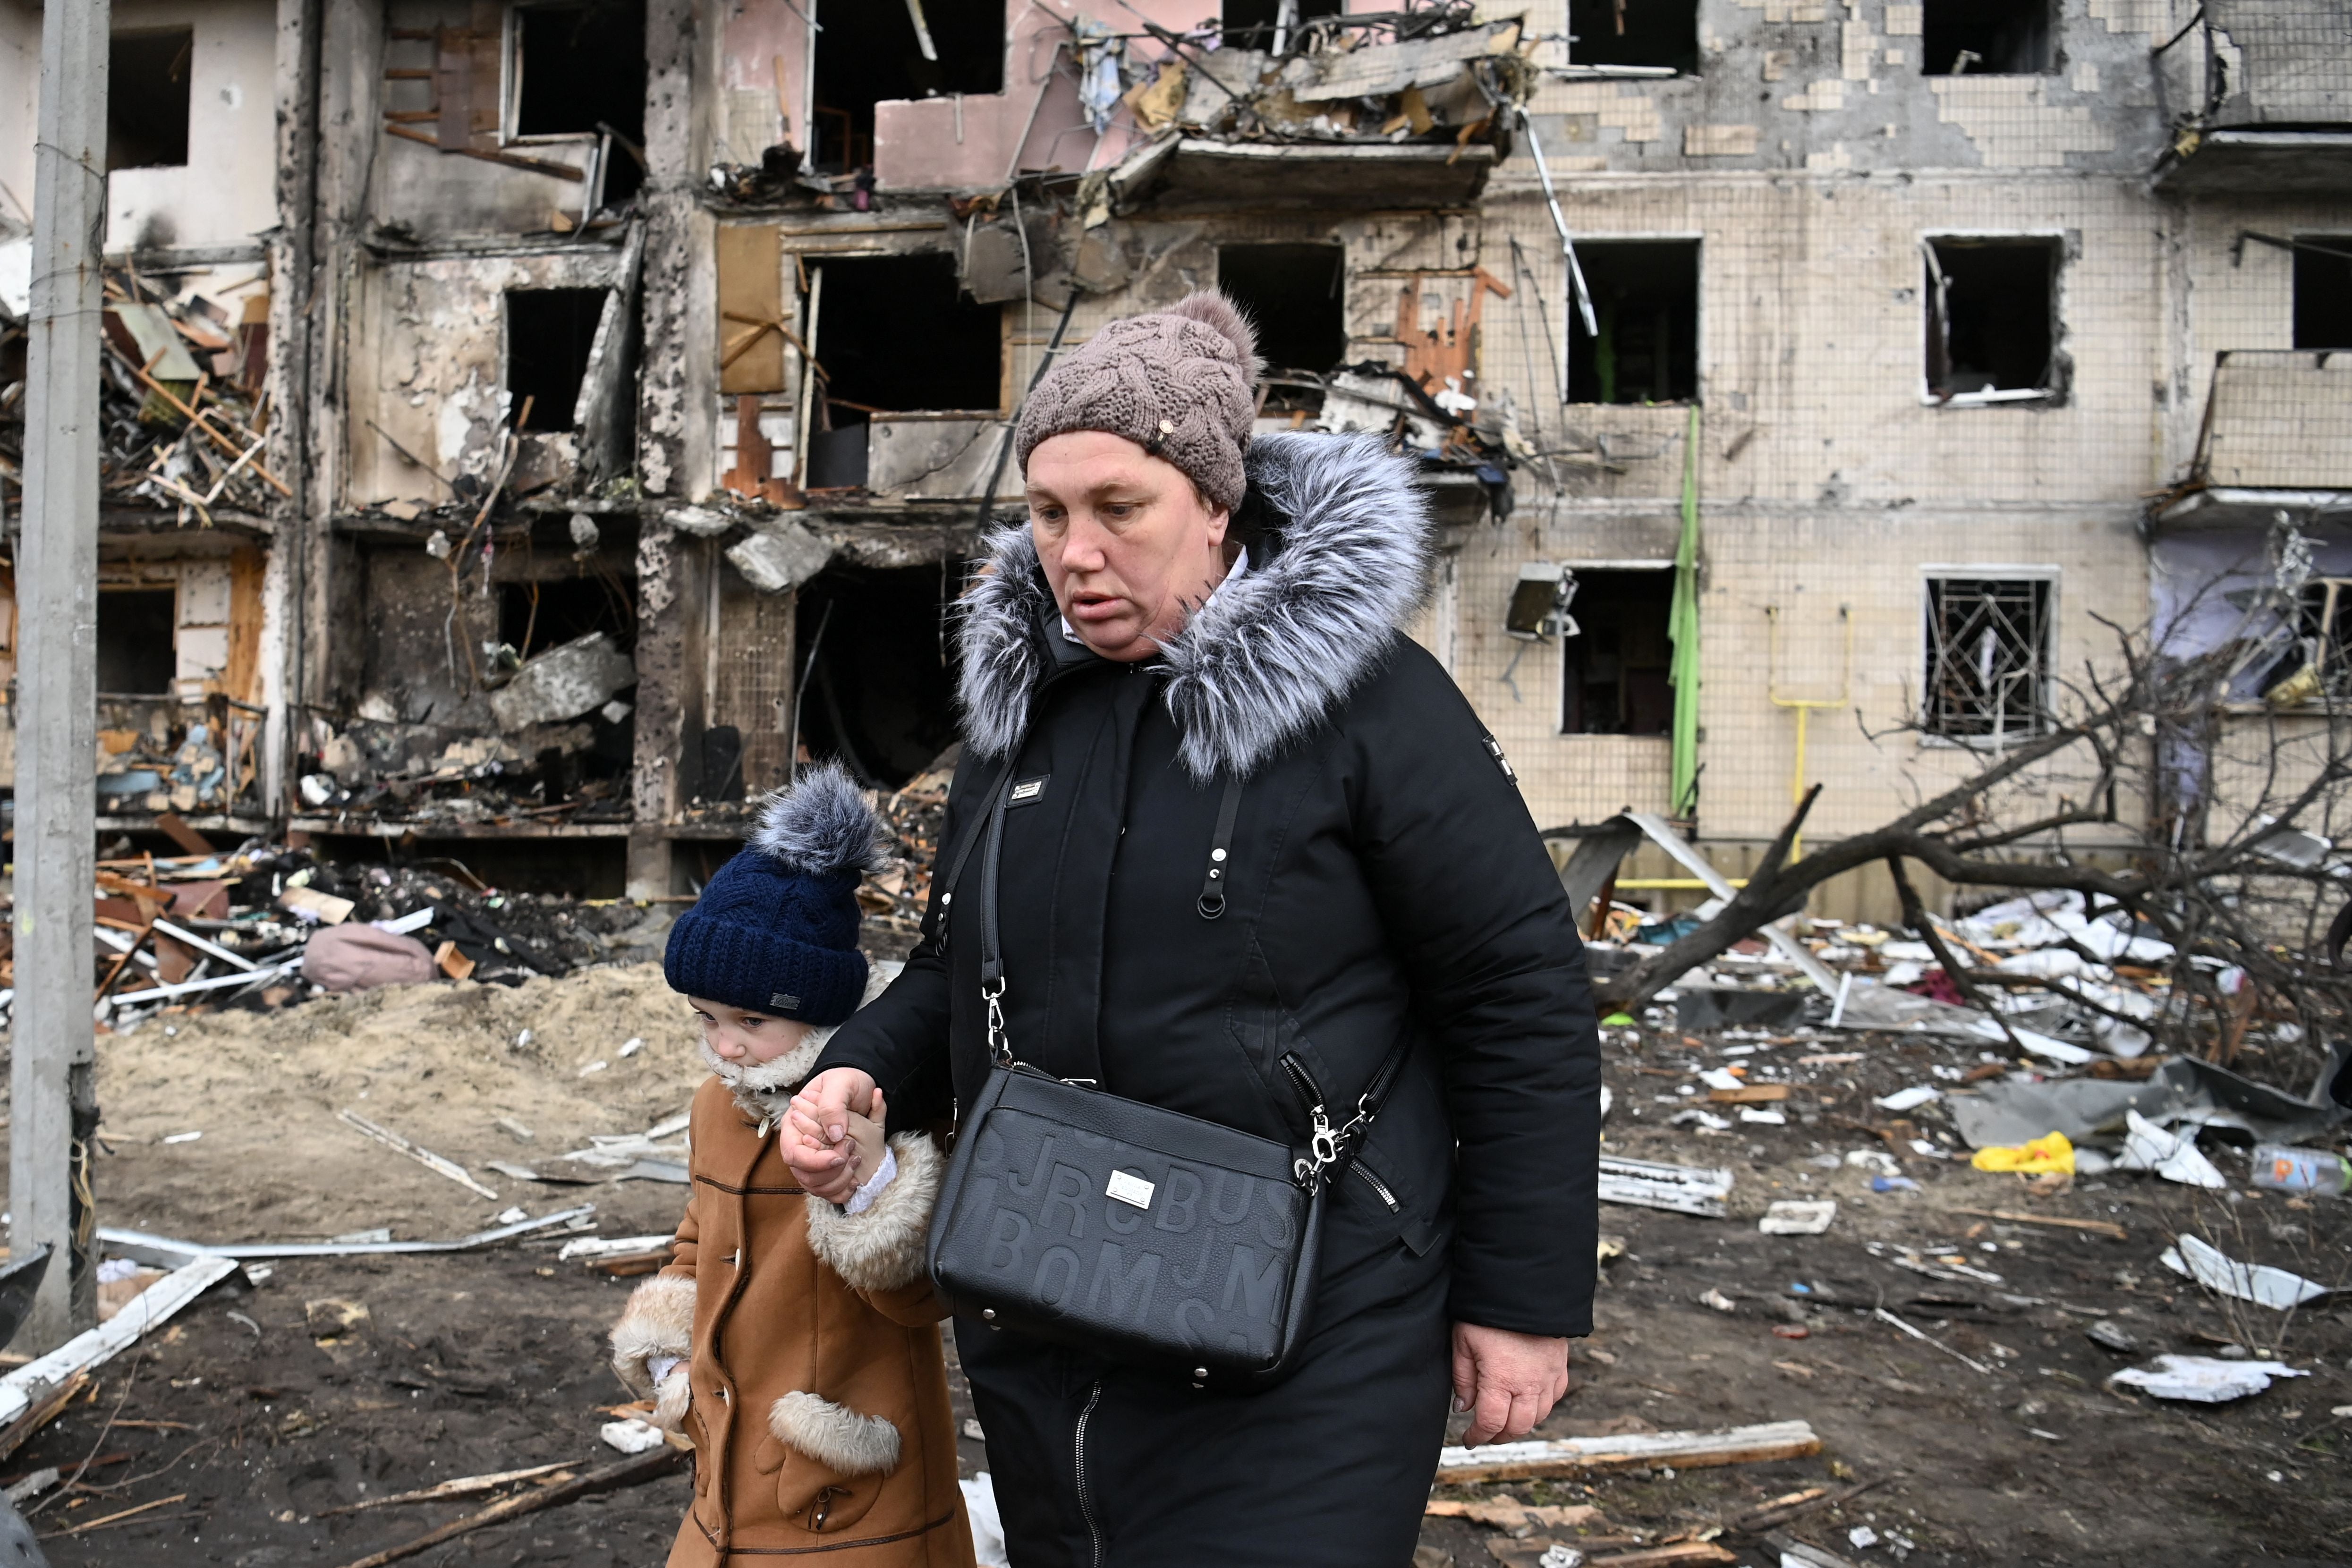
[{"x": 1682, "y": 626}]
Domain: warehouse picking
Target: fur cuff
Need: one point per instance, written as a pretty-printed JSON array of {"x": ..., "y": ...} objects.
[
  {"x": 676, "y": 1392},
  {"x": 658, "y": 1320},
  {"x": 883, "y": 1247},
  {"x": 835, "y": 1436}
]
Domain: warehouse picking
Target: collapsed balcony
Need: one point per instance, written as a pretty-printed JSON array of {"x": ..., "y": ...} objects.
[
  {"x": 1302, "y": 107},
  {"x": 2276, "y": 439},
  {"x": 2261, "y": 97}
]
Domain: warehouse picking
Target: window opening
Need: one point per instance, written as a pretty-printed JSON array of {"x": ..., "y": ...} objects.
[
  {"x": 1645, "y": 304},
  {"x": 580, "y": 70},
  {"x": 2319, "y": 663},
  {"x": 2323, "y": 291},
  {"x": 546, "y": 613},
  {"x": 1268, "y": 24},
  {"x": 1987, "y": 657},
  {"x": 869, "y": 51},
  {"x": 879, "y": 695},
  {"x": 1614, "y": 662},
  {"x": 1992, "y": 317},
  {"x": 896, "y": 335},
  {"x": 1294, "y": 296},
  {"x": 1988, "y": 38},
  {"x": 550, "y": 332},
  {"x": 136, "y": 652},
  {"x": 147, "y": 98},
  {"x": 1653, "y": 33}
]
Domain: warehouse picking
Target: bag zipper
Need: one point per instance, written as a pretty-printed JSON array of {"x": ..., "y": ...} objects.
[
  {"x": 1086, "y": 1499},
  {"x": 1365, "y": 1171}
]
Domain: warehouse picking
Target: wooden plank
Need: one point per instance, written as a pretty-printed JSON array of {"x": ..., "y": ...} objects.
[
  {"x": 2015, "y": 1217},
  {"x": 1665, "y": 1556},
  {"x": 1749, "y": 1095},
  {"x": 20, "y": 1389},
  {"x": 1635, "y": 1450},
  {"x": 453, "y": 89},
  {"x": 752, "y": 289},
  {"x": 242, "y": 678},
  {"x": 627, "y": 1473}
]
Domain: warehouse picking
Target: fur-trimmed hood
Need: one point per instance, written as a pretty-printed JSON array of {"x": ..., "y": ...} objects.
[{"x": 1343, "y": 561}]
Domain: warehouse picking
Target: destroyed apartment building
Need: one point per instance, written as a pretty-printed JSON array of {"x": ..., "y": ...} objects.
[{"x": 530, "y": 426}]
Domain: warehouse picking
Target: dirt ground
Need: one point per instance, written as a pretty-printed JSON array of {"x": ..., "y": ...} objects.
[{"x": 492, "y": 1361}]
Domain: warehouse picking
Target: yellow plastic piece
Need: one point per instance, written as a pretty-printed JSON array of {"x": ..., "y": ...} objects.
[{"x": 2050, "y": 1152}]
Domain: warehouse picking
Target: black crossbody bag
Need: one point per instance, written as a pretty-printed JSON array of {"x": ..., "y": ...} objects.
[{"x": 1139, "y": 1233}]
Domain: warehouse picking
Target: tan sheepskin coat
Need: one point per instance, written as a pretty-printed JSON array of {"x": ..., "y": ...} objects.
[{"x": 814, "y": 1389}]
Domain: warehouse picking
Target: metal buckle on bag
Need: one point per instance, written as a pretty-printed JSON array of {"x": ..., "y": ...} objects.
[
  {"x": 1000, "y": 1051},
  {"x": 1327, "y": 1145}
]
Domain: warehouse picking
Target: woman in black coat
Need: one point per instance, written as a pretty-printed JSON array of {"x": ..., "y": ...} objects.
[{"x": 1170, "y": 620}]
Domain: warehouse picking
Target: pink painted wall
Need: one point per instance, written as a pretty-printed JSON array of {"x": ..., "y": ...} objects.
[
  {"x": 757, "y": 33},
  {"x": 914, "y": 141}
]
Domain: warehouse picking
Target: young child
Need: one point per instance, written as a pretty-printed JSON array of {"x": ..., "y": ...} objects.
[{"x": 791, "y": 1340}]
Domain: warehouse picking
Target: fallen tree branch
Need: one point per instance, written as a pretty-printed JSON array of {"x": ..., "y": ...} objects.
[{"x": 629, "y": 1472}]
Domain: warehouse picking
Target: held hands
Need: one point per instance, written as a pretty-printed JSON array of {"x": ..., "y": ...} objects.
[
  {"x": 1507, "y": 1381},
  {"x": 818, "y": 1137}
]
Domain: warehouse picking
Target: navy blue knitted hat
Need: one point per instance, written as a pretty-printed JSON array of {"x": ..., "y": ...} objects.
[{"x": 775, "y": 932}]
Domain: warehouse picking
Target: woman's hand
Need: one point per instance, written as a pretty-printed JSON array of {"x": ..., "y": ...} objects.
[
  {"x": 813, "y": 1136},
  {"x": 1507, "y": 1381}
]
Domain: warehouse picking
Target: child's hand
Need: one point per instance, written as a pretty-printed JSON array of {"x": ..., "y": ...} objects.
[
  {"x": 865, "y": 1139},
  {"x": 826, "y": 1167}
]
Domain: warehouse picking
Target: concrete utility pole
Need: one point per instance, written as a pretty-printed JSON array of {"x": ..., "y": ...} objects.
[{"x": 53, "y": 1113}]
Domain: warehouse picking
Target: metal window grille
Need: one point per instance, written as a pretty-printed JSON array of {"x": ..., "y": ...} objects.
[{"x": 1987, "y": 647}]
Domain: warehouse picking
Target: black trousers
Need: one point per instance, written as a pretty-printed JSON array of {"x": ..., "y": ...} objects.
[{"x": 1096, "y": 1466}]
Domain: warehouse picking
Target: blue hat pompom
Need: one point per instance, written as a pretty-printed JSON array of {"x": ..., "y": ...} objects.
[{"x": 775, "y": 932}]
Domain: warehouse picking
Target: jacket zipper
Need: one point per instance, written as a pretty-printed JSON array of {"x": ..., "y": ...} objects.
[
  {"x": 1086, "y": 1497},
  {"x": 1311, "y": 1093},
  {"x": 1365, "y": 1171}
]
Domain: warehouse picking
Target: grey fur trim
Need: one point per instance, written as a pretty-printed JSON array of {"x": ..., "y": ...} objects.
[
  {"x": 834, "y": 1436},
  {"x": 1272, "y": 654},
  {"x": 820, "y": 826},
  {"x": 658, "y": 1320},
  {"x": 997, "y": 639},
  {"x": 882, "y": 1248}
]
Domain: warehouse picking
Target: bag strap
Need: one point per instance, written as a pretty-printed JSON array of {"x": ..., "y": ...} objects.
[
  {"x": 1212, "y": 887},
  {"x": 991, "y": 955},
  {"x": 978, "y": 831}
]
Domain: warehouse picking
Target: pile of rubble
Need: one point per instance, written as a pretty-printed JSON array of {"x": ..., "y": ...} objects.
[
  {"x": 544, "y": 742},
  {"x": 270, "y": 925},
  {"x": 181, "y": 411}
]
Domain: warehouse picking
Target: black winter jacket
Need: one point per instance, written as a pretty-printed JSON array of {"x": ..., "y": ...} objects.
[{"x": 1385, "y": 878}]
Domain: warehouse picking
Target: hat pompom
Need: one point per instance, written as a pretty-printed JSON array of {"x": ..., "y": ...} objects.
[
  {"x": 821, "y": 826},
  {"x": 1214, "y": 310}
]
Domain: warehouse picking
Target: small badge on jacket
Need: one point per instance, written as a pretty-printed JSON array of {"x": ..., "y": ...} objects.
[
  {"x": 1494, "y": 750},
  {"x": 1027, "y": 791}
]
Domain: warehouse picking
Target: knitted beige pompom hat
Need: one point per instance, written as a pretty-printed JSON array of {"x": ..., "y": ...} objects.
[{"x": 1181, "y": 383}]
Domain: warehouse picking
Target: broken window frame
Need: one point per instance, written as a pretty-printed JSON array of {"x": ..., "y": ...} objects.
[
  {"x": 2053, "y": 41},
  {"x": 1582, "y": 70},
  {"x": 1935, "y": 328},
  {"x": 1579, "y": 571},
  {"x": 1577, "y": 320},
  {"x": 2322, "y": 628},
  {"x": 2337, "y": 246},
  {"x": 1991, "y": 716},
  {"x": 510, "y": 74}
]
